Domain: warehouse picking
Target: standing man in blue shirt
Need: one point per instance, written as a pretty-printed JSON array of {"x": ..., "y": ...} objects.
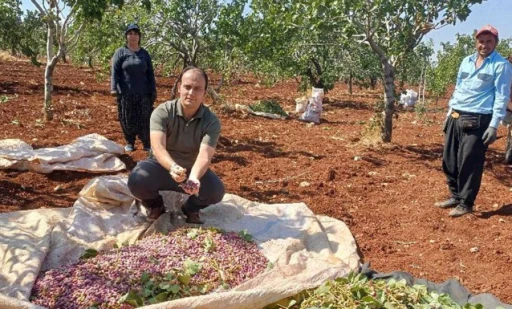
[{"x": 476, "y": 107}]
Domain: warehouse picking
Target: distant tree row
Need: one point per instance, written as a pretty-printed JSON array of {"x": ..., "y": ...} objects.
[{"x": 318, "y": 42}]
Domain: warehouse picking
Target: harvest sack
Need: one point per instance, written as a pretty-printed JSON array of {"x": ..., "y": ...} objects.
[
  {"x": 314, "y": 107},
  {"x": 409, "y": 98}
]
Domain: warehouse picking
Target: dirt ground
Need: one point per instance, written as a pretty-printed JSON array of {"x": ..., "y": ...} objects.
[{"x": 384, "y": 193}]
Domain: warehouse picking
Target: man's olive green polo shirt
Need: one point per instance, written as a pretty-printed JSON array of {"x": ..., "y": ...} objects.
[{"x": 185, "y": 137}]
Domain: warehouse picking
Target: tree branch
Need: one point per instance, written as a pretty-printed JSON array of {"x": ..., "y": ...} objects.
[
  {"x": 74, "y": 38},
  {"x": 41, "y": 10}
]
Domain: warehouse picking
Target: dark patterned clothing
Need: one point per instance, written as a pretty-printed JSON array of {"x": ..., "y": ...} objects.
[
  {"x": 132, "y": 72},
  {"x": 134, "y": 112}
]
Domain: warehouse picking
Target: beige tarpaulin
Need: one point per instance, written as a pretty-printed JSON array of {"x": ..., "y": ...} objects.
[
  {"x": 305, "y": 249},
  {"x": 91, "y": 153}
]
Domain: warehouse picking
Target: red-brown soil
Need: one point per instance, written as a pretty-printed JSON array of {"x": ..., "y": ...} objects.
[{"x": 384, "y": 193}]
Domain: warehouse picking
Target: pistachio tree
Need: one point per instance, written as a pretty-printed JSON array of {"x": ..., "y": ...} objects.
[
  {"x": 288, "y": 41},
  {"x": 23, "y": 32},
  {"x": 10, "y": 18},
  {"x": 226, "y": 42},
  {"x": 443, "y": 73},
  {"x": 392, "y": 29},
  {"x": 98, "y": 39}
]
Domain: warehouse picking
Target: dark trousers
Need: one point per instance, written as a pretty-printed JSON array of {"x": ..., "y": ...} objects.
[
  {"x": 508, "y": 149},
  {"x": 149, "y": 177},
  {"x": 464, "y": 157},
  {"x": 134, "y": 112}
]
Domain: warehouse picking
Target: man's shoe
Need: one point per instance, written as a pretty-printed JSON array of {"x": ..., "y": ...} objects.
[
  {"x": 155, "y": 213},
  {"x": 129, "y": 148},
  {"x": 460, "y": 211},
  {"x": 192, "y": 217},
  {"x": 155, "y": 208},
  {"x": 451, "y": 202}
]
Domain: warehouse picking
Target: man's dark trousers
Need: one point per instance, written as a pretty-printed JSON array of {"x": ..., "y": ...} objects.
[
  {"x": 149, "y": 177},
  {"x": 464, "y": 157}
]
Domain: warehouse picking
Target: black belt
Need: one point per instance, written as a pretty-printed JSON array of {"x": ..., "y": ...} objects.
[{"x": 470, "y": 113}]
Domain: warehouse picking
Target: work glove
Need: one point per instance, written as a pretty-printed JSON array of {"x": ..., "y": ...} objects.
[{"x": 489, "y": 136}]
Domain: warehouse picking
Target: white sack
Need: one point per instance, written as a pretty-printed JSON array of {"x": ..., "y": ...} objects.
[
  {"x": 409, "y": 98},
  {"x": 314, "y": 108}
]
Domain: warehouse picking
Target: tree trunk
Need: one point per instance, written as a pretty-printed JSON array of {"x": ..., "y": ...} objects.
[
  {"x": 350, "y": 83},
  {"x": 49, "y": 43},
  {"x": 64, "y": 57},
  {"x": 373, "y": 82},
  {"x": 389, "y": 94},
  {"x": 48, "y": 75},
  {"x": 48, "y": 89}
]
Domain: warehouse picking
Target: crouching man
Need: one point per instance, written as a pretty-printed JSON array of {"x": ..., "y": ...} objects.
[{"x": 184, "y": 135}]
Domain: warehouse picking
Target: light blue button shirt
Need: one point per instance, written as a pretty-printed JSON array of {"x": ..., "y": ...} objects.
[{"x": 485, "y": 90}]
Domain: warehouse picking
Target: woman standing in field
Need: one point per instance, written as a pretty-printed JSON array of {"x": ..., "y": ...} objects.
[{"x": 133, "y": 83}]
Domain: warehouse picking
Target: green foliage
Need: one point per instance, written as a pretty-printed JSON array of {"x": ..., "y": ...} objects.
[
  {"x": 359, "y": 65},
  {"x": 267, "y": 106},
  {"x": 173, "y": 285},
  {"x": 505, "y": 47},
  {"x": 226, "y": 41},
  {"x": 284, "y": 43},
  {"x": 411, "y": 69},
  {"x": 183, "y": 28},
  {"x": 97, "y": 40},
  {"x": 176, "y": 33},
  {"x": 131, "y": 298},
  {"x": 391, "y": 28},
  {"x": 193, "y": 233},
  {"x": 421, "y": 111},
  {"x": 244, "y": 234},
  {"x": 10, "y": 18},
  {"x": 449, "y": 58},
  {"x": 3, "y": 99},
  {"x": 209, "y": 244},
  {"x": 23, "y": 33},
  {"x": 89, "y": 253},
  {"x": 356, "y": 291}
]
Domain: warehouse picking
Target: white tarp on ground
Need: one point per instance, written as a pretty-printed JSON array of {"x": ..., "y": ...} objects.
[
  {"x": 306, "y": 249},
  {"x": 91, "y": 153}
]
